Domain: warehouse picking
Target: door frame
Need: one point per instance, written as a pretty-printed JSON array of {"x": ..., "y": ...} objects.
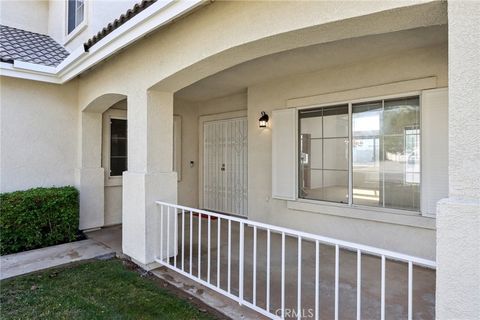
[{"x": 201, "y": 121}]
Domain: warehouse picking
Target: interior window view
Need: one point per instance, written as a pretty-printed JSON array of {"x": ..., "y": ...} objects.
[
  {"x": 118, "y": 147},
  {"x": 385, "y": 154}
]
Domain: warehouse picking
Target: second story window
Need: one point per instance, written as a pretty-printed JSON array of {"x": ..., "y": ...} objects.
[{"x": 76, "y": 14}]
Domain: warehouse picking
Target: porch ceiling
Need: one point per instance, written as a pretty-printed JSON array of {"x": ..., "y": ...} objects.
[{"x": 308, "y": 59}]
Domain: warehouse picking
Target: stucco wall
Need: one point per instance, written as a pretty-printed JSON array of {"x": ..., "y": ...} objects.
[
  {"x": 26, "y": 15},
  {"x": 39, "y": 125}
]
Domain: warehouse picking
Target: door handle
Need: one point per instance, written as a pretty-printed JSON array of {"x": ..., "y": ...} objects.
[{"x": 223, "y": 167}]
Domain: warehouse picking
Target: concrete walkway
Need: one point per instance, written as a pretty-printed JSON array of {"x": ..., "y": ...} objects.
[{"x": 34, "y": 260}]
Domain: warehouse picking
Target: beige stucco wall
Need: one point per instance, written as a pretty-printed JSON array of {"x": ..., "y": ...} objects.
[
  {"x": 26, "y": 15},
  {"x": 39, "y": 127}
]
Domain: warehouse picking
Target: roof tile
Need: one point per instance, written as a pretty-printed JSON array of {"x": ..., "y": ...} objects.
[{"x": 17, "y": 44}]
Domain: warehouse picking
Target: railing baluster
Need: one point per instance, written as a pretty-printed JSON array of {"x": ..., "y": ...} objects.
[
  {"x": 337, "y": 271},
  {"x": 208, "y": 250},
  {"x": 229, "y": 261},
  {"x": 254, "y": 266},
  {"x": 299, "y": 279},
  {"x": 317, "y": 276},
  {"x": 199, "y": 253},
  {"x": 175, "y": 236},
  {"x": 183, "y": 239},
  {"x": 410, "y": 288},
  {"x": 161, "y": 232},
  {"x": 168, "y": 235},
  {"x": 382, "y": 302},
  {"x": 359, "y": 284},
  {"x": 241, "y": 253},
  {"x": 191, "y": 242},
  {"x": 283, "y": 277},
  {"x": 268, "y": 271},
  {"x": 219, "y": 227}
]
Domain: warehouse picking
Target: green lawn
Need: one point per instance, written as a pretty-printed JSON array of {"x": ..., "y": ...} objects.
[{"x": 93, "y": 290}]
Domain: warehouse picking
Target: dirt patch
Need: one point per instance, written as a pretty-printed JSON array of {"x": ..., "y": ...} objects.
[{"x": 174, "y": 290}]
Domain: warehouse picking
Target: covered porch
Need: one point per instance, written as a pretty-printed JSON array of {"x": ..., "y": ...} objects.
[{"x": 383, "y": 265}]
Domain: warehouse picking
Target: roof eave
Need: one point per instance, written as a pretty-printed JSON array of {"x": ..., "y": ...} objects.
[{"x": 159, "y": 14}]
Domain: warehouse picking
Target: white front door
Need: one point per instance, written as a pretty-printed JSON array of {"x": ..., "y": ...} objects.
[{"x": 225, "y": 166}]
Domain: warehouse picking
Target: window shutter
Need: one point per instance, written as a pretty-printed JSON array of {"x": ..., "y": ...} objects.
[
  {"x": 284, "y": 155},
  {"x": 434, "y": 148}
]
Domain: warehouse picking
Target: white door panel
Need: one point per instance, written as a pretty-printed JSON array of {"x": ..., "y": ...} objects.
[{"x": 225, "y": 166}]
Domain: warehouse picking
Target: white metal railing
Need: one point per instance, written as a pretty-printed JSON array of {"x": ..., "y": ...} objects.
[{"x": 168, "y": 257}]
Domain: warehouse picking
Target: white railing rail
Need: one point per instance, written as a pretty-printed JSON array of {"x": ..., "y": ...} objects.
[{"x": 169, "y": 258}]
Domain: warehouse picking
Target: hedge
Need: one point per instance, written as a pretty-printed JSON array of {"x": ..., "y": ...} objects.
[{"x": 38, "y": 218}]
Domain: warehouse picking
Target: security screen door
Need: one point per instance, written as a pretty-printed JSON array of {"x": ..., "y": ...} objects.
[{"x": 225, "y": 166}]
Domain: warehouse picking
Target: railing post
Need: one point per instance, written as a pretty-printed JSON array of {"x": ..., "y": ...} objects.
[
  {"x": 190, "y": 240},
  {"x": 317, "y": 276},
  {"x": 382, "y": 302},
  {"x": 229, "y": 258},
  {"x": 299, "y": 279},
  {"x": 254, "y": 293},
  {"x": 268, "y": 272},
  {"x": 161, "y": 232},
  {"x": 183, "y": 239},
  {"x": 241, "y": 253},
  {"x": 359, "y": 284},
  {"x": 219, "y": 226},
  {"x": 283, "y": 277},
  {"x": 208, "y": 248},
  {"x": 337, "y": 272}
]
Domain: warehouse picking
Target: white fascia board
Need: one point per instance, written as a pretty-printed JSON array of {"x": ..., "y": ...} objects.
[
  {"x": 140, "y": 25},
  {"x": 157, "y": 15},
  {"x": 9, "y": 70}
]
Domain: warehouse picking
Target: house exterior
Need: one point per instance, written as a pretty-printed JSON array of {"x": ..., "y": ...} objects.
[{"x": 372, "y": 137}]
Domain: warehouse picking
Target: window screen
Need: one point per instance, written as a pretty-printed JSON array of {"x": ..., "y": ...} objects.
[{"x": 118, "y": 147}]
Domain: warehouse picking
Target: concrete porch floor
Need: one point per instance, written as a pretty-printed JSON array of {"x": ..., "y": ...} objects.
[{"x": 396, "y": 275}]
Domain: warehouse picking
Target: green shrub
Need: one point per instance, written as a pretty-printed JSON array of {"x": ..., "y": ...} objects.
[{"x": 38, "y": 218}]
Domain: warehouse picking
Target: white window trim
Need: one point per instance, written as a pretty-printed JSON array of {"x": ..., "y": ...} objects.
[
  {"x": 110, "y": 181},
  {"x": 373, "y": 213},
  {"x": 78, "y": 29}
]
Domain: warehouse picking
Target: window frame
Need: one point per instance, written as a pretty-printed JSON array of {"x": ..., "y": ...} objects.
[
  {"x": 68, "y": 36},
  {"x": 118, "y": 114},
  {"x": 350, "y": 203}
]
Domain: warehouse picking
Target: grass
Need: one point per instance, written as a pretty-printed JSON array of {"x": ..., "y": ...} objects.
[{"x": 93, "y": 290}]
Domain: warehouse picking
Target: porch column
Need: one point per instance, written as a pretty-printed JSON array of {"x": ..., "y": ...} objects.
[
  {"x": 90, "y": 174},
  {"x": 458, "y": 217},
  {"x": 149, "y": 176}
]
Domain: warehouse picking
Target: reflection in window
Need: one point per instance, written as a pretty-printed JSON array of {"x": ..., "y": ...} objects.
[
  {"x": 118, "y": 147},
  {"x": 76, "y": 12},
  {"x": 324, "y": 154},
  {"x": 385, "y": 154}
]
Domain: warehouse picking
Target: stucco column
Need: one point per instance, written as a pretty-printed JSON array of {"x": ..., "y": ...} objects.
[
  {"x": 458, "y": 217},
  {"x": 90, "y": 174},
  {"x": 149, "y": 176}
]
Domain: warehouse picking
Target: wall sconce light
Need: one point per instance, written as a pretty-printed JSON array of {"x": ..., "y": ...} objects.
[{"x": 262, "y": 122}]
